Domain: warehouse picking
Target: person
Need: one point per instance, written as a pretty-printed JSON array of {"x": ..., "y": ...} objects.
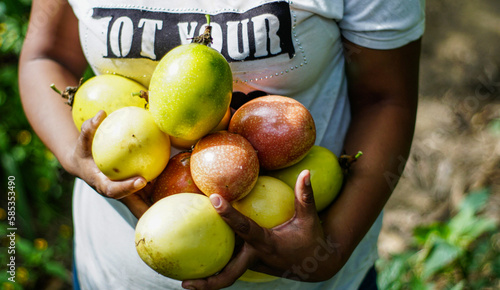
[{"x": 353, "y": 64}]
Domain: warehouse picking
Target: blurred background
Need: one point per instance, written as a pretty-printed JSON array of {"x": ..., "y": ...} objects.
[{"x": 441, "y": 227}]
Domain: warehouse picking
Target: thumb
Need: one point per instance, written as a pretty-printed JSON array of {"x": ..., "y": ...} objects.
[
  {"x": 243, "y": 226},
  {"x": 89, "y": 128},
  {"x": 305, "y": 206}
]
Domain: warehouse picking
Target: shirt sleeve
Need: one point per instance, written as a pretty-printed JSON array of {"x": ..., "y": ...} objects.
[{"x": 382, "y": 24}]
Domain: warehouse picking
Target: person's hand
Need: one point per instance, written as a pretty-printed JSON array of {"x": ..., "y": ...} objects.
[
  {"x": 132, "y": 191},
  {"x": 139, "y": 201},
  {"x": 296, "y": 249}
]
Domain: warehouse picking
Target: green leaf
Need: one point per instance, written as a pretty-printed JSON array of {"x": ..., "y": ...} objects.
[
  {"x": 24, "y": 219},
  {"x": 459, "y": 286},
  {"x": 24, "y": 247},
  {"x": 494, "y": 126},
  {"x": 495, "y": 265},
  {"x": 390, "y": 272},
  {"x": 479, "y": 255},
  {"x": 474, "y": 201},
  {"x": 440, "y": 256},
  {"x": 422, "y": 234},
  {"x": 466, "y": 226},
  {"x": 87, "y": 74},
  {"x": 57, "y": 269},
  {"x": 416, "y": 283},
  {"x": 481, "y": 226}
]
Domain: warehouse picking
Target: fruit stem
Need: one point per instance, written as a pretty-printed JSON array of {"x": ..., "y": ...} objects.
[
  {"x": 53, "y": 86},
  {"x": 206, "y": 37},
  {"x": 68, "y": 93},
  {"x": 346, "y": 161},
  {"x": 144, "y": 95}
]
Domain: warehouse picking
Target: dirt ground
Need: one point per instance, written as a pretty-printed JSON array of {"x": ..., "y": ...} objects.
[{"x": 455, "y": 148}]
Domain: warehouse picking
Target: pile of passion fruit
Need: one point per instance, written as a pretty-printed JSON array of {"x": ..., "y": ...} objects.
[{"x": 251, "y": 157}]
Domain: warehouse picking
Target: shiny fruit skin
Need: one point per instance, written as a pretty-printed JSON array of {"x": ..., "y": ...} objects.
[
  {"x": 270, "y": 203},
  {"x": 183, "y": 237},
  {"x": 128, "y": 143},
  {"x": 224, "y": 163},
  {"x": 280, "y": 128},
  {"x": 105, "y": 92},
  {"x": 175, "y": 178},
  {"x": 326, "y": 175},
  {"x": 180, "y": 143},
  {"x": 190, "y": 91}
]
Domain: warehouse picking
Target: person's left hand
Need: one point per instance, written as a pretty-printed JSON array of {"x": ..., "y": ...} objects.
[{"x": 296, "y": 249}]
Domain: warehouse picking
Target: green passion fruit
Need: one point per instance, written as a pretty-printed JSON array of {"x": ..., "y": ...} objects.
[
  {"x": 190, "y": 91},
  {"x": 326, "y": 175}
]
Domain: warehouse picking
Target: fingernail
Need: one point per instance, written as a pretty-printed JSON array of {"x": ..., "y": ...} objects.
[
  {"x": 216, "y": 201},
  {"x": 189, "y": 287},
  {"x": 139, "y": 183},
  {"x": 96, "y": 118},
  {"x": 307, "y": 180}
]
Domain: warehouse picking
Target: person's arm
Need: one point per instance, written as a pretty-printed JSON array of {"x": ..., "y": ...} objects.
[
  {"x": 383, "y": 91},
  {"x": 52, "y": 54}
]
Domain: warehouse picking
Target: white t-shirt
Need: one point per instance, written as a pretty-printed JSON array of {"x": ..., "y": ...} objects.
[{"x": 290, "y": 48}]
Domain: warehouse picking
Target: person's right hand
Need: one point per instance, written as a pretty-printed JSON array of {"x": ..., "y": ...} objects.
[{"x": 126, "y": 190}]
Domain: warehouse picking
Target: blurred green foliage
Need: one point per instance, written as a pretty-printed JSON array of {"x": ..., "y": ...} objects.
[
  {"x": 42, "y": 188},
  {"x": 461, "y": 253}
]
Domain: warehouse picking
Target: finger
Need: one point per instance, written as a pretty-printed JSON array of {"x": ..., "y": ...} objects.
[
  {"x": 146, "y": 192},
  {"x": 243, "y": 226},
  {"x": 119, "y": 189},
  {"x": 231, "y": 272},
  {"x": 305, "y": 206},
  {"x": 89, "y": 128},
  {"x": 135, "y": 204}
]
